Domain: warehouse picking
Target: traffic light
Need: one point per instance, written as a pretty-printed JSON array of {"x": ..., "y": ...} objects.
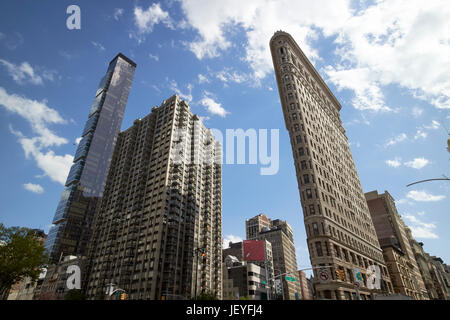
[
  {"x": 203, "y": 254},
  {"x": 123, "y": 296},
  {"x": 340, "y": 275}
]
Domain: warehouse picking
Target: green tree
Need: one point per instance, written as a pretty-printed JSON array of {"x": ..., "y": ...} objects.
[
  {"x": 74, "y": 294},
  {"x": 207, "y": 295},
  {"x": 21, "y": 255}
]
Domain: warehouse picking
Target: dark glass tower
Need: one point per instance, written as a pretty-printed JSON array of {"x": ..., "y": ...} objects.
[{"x": 72, "y": 224}]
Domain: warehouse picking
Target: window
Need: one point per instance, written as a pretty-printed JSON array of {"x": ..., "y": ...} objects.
[
  {"x": 303, "y": 164},
  {"x": 319, "y": 249},
  {"x": 299, "y": 140},
  {"x": 312, "y": 209},
  {"x": 301, "y": 152},
  {"x": 315, "y": 228},
  {"x": 306, "y": 178},
  {"x": 337, "y": 252},
  {"x": 308, "y": 194}
]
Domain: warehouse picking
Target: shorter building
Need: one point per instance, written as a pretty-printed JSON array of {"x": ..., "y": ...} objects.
[
  {"x": 254, "y": 225},
  {"x": 397, "y": 252},
  {"x": 305, "y": 286},
  {"x": 54, "y": 282},
  {"x": 432, "y": 277},
  {"x": 442, "y": 276},
  {"x": 234, "y": 249},
  {"x": 244, "y": 279},
  {"x": 279, "y": 233},
  {"x": 229, "y": 290}
]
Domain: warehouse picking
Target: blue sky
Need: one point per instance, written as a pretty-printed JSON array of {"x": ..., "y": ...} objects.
[{"x": 387, "y": 62}]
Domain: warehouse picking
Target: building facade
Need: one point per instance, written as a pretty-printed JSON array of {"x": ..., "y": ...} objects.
[
  {"x": 279, "y": 234},
  {"x": 246, "y": 280},
  {"x": 254, "y": 225},
  {"x": 398, "y": 255},
  {"x": 306, "y": 293},
  {"x": 159, "y": 225},
  {"x": 340, "y": 232},
  {"x": 234, "y": 249},
  {"x": 443, "y": 277},
  {"x": 72, "y": 223},
  {"x": 53, "y": 285}
]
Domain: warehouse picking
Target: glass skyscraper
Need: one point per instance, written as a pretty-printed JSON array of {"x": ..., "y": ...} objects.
[{"x": 72, "y": 224}]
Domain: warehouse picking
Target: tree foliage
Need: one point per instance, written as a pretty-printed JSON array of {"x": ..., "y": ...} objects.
[
  {"x": 21, "y": 255},
  {"x": 74, "y": 294},
  {"x": 207, "y": 295}
]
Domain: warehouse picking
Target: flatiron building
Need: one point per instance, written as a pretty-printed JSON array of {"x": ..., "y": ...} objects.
[{"x": 340, "y": 234}]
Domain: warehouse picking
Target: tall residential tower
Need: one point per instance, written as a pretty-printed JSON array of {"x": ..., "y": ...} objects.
[
  {"x": 72, "y": 224},
  {"x": 340, "y": 233},
  {"x": 158, "y": 229}
]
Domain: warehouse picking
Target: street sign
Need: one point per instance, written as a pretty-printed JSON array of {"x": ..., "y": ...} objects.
[
  {"x": 324, "y": 276},
  {"x": 290, "y": 279},
  {"x": 358, "y": 280}
]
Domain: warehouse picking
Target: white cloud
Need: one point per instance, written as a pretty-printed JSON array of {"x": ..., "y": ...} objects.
[
  {"x": 423, "y": 196},
  {"x": 392, "y": 141},
  {"x": 230, "y": 238},
  {"x": 402, "y": 43},
  {"x": 98, "y": 46},
  {"x": 212, "y": 106},
  {"x": 35, "y": 188},
  {"x": 202, "y": 79},
  {"x": 417, "y": 112},
  {"x": 420, "y": 134},
  {"x": 154, "y": 57},
  {"x": 234, "y": 76},
  {"x": 118, "y": 12},
  {"x": 39, "y": 116},
  {"x": 185, "y": 96},
  {"x": 394, "y": 163},
  {"x": 77, "y": 140},
  {"x": 417, "y": 163},
  {"x": 203, "y": 119},
  {"x": 403, "y": 201},
  {"x": 22, "y": 73},
  {"x": 145, "y": 20},
  {"x": 421, "y": 229},
  {"x": 13, "y": 40},
  {"x": 433, "y": 126},
  {"x": 66, "y": 55},
  {"x": 367, "y": 93}
]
